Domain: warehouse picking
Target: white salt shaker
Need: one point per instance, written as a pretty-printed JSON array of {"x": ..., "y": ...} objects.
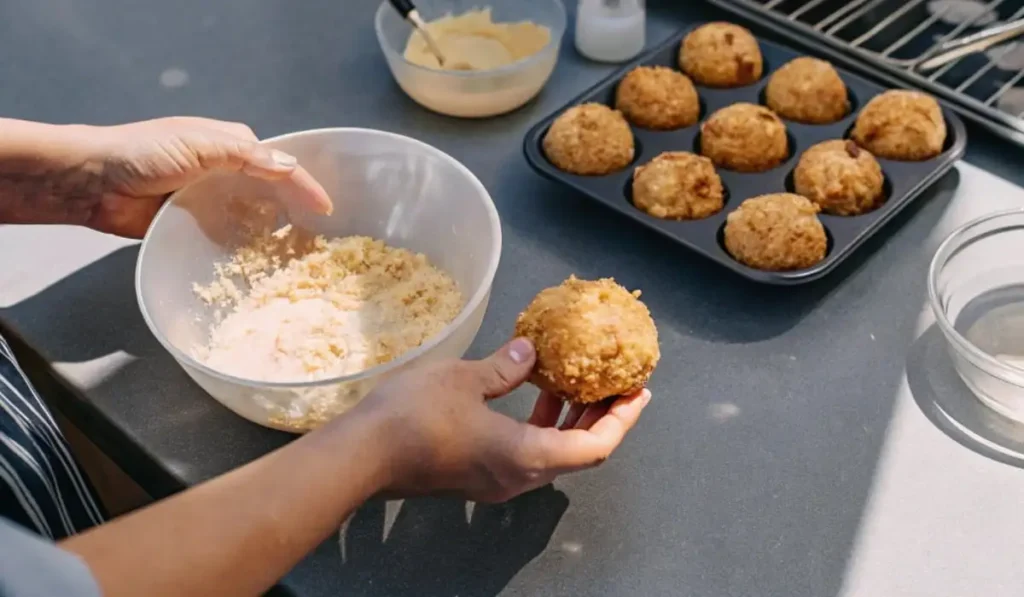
[{"x": 610, "y": 30}]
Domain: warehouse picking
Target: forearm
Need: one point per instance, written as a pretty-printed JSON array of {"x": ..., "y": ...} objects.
[
  {"x": 45, "y": 176},
  {"x": 240, "y": 533}
]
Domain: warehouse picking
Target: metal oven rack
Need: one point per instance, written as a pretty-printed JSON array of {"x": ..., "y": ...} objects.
[{"x": 887, "y": 38}]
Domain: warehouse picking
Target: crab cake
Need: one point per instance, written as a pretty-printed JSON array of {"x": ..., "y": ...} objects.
[
  {"x": 589, "y": 139},
  {"x": 842, "y": 178},
  {"x": 808, "y": 90},
  {"x": 678, "y": 185},
  {"x": 745, "y": 138},
  {"x": 594, "y": 339},
  {"x": 657, "y": 97},
  {"x": 901, "y": 125},
  {"x": 721, "y": 55},
  {"x": 778, "y": 232}
]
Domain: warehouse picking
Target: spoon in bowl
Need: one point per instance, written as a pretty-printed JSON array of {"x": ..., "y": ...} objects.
[{"x": 409, "y": 13}]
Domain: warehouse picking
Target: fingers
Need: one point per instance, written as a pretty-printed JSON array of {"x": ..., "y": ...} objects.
[
  {"x": 222, "y": 150},
  {"x": 306, "y": 193},
  {"x": 575, "y": 412},
  {"x": 262, "y": 162},
  {"x": 577, "y": 449},
  {"x": 237, "y": 129},
  {"x": 547, "y": 410},
  {"x": 593, "y": 414},
  {"x": 506, "y": 369}
]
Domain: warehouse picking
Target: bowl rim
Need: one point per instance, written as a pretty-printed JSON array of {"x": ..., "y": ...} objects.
[
  {"x": 965, "y": 347},
  {"x": 554, "y": 42},
  {"x": 479, "y": 295}
]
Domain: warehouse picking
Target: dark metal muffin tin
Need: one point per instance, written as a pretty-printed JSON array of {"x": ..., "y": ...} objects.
[{"x": 904, "y": 181}]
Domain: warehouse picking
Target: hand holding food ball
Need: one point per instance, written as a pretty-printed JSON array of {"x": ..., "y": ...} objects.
[{"x": 444, "y": 438}]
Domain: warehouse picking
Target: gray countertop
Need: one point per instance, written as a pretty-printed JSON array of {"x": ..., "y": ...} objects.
[{"x": 789, "y": 451}]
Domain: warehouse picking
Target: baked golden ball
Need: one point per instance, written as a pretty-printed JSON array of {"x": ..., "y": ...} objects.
[
  {"x": 779, "y": 232},
  {"x": 678, "y": 185},
  {"x": 659, "y": 98},
  {"x": 808, "y": 90},
  {"x": 841, "y": 177},
  {"x": 594, "y": 340},
  {"x": 589, "y": 139},
  {"x": 721, "y": 55},
  {"x": 901, "y": 125},
  {"x": 744, "y": 137}
]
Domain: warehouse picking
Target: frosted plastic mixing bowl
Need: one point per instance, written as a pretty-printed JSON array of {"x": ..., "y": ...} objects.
[
  {"x": 383, "y": 185},
  {"x": 472, "y": 94}
]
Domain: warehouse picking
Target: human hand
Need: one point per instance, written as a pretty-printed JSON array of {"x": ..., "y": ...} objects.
[
  {"x": 444, "y": 438},
  {"x": 141, "y": 163}
]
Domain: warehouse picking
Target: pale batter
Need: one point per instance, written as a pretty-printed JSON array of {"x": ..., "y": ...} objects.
[
  {"x": 473, "y": 41},
  {"x": 306, "y": 309}
]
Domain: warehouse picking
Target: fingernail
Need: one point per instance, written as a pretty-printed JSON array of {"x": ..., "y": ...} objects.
[
  {"x": 520, "y": 350},
  {"x": 283, "y": 159},
  {"x": 645, "y": 396}
]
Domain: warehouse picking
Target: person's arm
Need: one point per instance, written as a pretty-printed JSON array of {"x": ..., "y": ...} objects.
[
  {"x": 425, "y": 431},
  {"x": 115, "y": 178},
  {"x": 44, "y": 179},
  {"x": 238, "y": 534}
]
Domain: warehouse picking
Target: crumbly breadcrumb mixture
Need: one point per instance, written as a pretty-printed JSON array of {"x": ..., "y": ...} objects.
[{"x": 296, "y": 307}]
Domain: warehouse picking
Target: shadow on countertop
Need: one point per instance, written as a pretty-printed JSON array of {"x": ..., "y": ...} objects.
[
  {"x": 951, "y": 406},
  {"x": 431, "y": 549}
]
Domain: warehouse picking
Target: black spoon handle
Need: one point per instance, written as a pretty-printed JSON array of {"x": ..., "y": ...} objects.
[{"x": 404, "y": 7}]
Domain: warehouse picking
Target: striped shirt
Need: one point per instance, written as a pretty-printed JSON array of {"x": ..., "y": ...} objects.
[{"x": 42, "y": 487}]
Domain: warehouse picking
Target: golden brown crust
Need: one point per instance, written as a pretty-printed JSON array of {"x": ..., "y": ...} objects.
[
  {"x": 901, "y": 125},
  {"x": 590, "y": 139},
  {"x": 594, "y": 340},
  {"x": 721, "y": 55},
  {"x": 678, "y": 185},
  {"x": 659, "y": 98},
  {"x": 779, "y": 232},
  {"x": 745, "y": 137},
  {"x": 808, "y": 90},
  {"x": 842, "y": 178}
]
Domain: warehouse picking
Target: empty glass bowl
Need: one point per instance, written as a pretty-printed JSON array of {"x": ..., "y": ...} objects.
[
  {"x": 383, "y": 185},
  {"x": 472, "y": 94},
  {"x": 976, "y": 289}
]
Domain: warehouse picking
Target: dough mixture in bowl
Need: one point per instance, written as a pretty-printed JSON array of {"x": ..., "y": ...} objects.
[
  {"x": 473, "y": 41},
  {"x": 295, "y": 308}
]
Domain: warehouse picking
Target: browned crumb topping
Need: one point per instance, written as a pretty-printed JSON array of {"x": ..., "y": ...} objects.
[{"x": 594, "y": 339}]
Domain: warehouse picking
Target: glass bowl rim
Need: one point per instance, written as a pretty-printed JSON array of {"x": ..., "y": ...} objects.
[
  {"x": 952, "y": 244},
  {"x": 557, "y": 32}
]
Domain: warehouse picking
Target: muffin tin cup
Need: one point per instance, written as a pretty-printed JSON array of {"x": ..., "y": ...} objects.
[{"x": 905, "y": 181}]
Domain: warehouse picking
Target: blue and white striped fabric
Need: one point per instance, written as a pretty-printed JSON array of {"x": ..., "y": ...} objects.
[{"x": 41, "y": 485}]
